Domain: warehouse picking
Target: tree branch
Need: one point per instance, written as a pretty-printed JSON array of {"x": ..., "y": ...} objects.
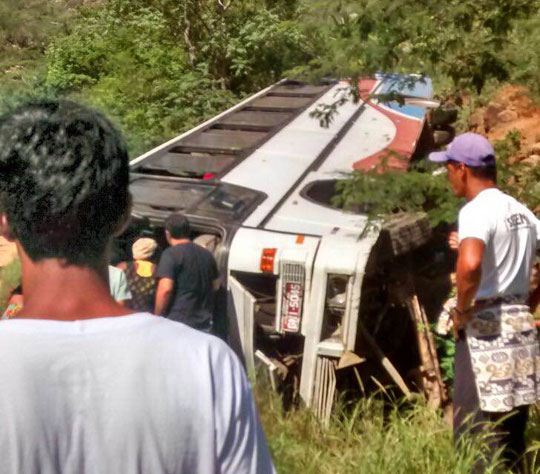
[
  {"x": 187, "y": 39},
  {"x": 225, "y": 4}
]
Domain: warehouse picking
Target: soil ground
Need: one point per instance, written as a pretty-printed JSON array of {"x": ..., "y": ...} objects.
[{"x": 511, "y": 108}]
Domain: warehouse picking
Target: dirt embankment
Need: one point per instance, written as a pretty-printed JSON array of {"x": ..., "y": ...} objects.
[{"x": 511, "y": 109}]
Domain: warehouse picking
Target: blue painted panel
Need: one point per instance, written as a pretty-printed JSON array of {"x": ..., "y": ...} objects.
[
  {"x": 410, "y": 110},
  {"x": 423, "y": 88}
]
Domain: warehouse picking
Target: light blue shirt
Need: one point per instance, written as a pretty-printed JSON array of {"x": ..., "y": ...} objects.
[{"x": 118, "y": 284}]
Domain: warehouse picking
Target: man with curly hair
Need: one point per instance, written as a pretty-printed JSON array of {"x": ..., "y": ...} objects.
[{"x": 88, "y": 386}]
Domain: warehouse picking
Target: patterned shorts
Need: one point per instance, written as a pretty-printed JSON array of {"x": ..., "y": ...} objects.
[{"x": 505, "y": 356}]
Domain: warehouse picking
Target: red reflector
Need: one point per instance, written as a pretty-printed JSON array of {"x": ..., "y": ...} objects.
[
  {"x": 267, "y": 260},
  {"x": 208, "y": 175}
]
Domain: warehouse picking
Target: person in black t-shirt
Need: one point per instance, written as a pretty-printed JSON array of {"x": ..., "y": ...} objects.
[{"x": 188, "y": 278}]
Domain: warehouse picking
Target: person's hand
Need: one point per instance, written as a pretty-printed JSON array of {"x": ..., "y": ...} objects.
[
  {"x": 459, "y": 320},
  {"x": 453, "y": 240}
]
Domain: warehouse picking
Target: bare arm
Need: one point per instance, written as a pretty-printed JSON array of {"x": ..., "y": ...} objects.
[
  {"x": 534, "y": 299},
  {"x": 163, "y": 296},
  {"x": 468, "y": 276},
  {"x": 469, "y": 271}
]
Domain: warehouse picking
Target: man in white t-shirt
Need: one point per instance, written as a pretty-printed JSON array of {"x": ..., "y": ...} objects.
[
  {"x": 497, "y": 362},
  {"x": 87, "y": 386}
]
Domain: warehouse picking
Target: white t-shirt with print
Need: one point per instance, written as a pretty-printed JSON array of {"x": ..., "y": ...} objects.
[
  {"x": 511, "y": 234},
  {"x": 135, "y": 394}
]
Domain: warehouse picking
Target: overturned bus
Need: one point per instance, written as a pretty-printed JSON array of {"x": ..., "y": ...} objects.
[{"x": 311, "y": 293}]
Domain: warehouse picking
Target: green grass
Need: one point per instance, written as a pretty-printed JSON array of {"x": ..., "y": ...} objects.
[
  {"x": 369, "y": 438},
  {"x": 10, "y": 277}
]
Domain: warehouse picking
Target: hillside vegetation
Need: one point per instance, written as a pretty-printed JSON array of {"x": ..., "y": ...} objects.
[{"x": 159, "y": 67}]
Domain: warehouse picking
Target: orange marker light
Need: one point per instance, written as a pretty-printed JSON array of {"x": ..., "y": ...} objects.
[
  {"x": 267, "y": 260},
  {"x": 299, "y": 239}
]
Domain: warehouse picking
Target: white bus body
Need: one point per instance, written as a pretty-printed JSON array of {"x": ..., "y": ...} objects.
[{"x": 261, "y": 176}]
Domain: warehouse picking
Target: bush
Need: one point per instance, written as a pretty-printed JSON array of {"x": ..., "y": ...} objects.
[
  {"x": 131, "y": 69},
  {"x": 460, "y": 43},
  {"x": 519, "y": 179},
  {"x": 159, "y": 68},
  {"x": 389, "y": 192},
  {"x": 422, "y": 189}
]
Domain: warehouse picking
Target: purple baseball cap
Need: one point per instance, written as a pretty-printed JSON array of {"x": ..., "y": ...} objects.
[{"x": 469, "y": 148}]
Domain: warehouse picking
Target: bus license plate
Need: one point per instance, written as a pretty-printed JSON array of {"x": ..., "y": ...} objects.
[{"x": 292, "y": 307}]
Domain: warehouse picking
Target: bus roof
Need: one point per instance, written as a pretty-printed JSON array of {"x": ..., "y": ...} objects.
[{"x": 271, "y": 143}]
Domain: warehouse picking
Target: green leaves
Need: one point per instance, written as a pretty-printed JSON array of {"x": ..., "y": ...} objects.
[
  {"x": 161, "y": 67},
  {"x": 457, "y": 40},
  {"x": 446, "y": 348},
  {"x": 383, "y": 194}
]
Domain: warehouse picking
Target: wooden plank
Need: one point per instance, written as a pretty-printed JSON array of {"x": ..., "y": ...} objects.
[
  {"x": 254, "y": 120},
  {"x": 430, "y": 370},
  {"x": 384, "y": 361},
  {"x": 285, "y": 104},
  {"x": 407, "y": 231},
  {"x": 222, "y": 141}
]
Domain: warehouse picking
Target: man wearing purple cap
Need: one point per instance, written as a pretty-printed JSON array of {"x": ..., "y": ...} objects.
[{"x": 497, "y": 361}]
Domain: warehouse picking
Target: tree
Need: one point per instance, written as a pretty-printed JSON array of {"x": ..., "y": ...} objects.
[
  {"x": 161, "y": 66},
  {"x": 456, "y": 40}
]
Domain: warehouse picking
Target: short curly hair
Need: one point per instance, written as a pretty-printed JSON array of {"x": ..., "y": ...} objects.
[{"x": 64, "y": 180}]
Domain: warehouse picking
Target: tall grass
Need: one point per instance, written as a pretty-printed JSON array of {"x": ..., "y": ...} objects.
[{"x": 371, "y": 437}]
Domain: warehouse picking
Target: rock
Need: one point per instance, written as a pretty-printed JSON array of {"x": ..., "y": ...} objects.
[
  {"x": 490, "y": 115},
  {"x": 519, "y": 94},
  {"x": 535, "y": 149},
  {"x": 527, "y": 112},
  {"x": 476, "y": 120},
  {"x": 532, "y": 160},
  {"x": 494, "y": 107},
  {"x": 507, "y": 116},
  {"x": 492, "y": 112}
]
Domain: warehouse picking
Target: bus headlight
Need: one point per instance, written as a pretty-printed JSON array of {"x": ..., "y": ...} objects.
[{"x": 335, "y": 305}]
